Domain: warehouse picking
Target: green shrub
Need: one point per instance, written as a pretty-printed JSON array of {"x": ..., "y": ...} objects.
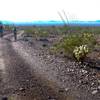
[
  {"x": 36, "y": 32},
  {"x": 88, "y": 39},
  {"x": 70, "y": 42},
  {"x": 73, "y": 42},
  {"x": 30, "y": 32},
  {"x": 43, "y": 34}
]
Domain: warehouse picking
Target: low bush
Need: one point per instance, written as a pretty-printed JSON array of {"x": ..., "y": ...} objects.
[
  {"x": 88, "y": 39},
  {"x": 38, "y": 32},
  {"x": 29, "y": 32},
  {"x": 78, "y": 44}
]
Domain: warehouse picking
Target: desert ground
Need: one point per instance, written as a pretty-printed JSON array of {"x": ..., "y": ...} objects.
[{"x": 30, "y": 71}]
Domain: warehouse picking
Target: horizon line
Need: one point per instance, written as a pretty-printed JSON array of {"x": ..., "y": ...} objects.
[{"x": 47, "y": 21}]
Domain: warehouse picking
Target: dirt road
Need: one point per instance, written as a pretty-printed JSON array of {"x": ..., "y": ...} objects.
[{"x": 18, "y": 81}]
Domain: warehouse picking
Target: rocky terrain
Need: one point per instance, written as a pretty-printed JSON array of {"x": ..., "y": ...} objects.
[{"x": 30, "y": 72}]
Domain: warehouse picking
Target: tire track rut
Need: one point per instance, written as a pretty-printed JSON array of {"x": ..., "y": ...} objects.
[{"x": 22, "y": 83}]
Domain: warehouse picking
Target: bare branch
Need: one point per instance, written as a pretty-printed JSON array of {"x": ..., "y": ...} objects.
[
  {"x": 62, "y": 18},
  {"x": 65, "y": 16}
]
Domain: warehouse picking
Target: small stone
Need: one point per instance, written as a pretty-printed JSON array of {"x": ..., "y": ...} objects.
[
  {"x": 84, "y": 71},
  {"x": 80, "y": 81},
  {"x": 66, "y": 89},
  {"x": 27, "y": 80},
  {"x": 98, "y": 81},
  {"x": 71, "y": 70},
  {"x": 94, "y": 92},
  {"x": 68, "y": 70},
  {"x": 48, "y": 56},
  {"x": 63, "y": 80},
  {"x": 99, "y": 87},
  {"x": 79, "y": 62},
  {"x": 85, "y": 66},
  {"x": 59, "y": 67},
  {"x": 92, "y": 84},
  {"x": 21, "y": 89}
]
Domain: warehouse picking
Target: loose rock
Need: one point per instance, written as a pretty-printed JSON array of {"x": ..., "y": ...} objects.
[{"x": 94, "y": 92}]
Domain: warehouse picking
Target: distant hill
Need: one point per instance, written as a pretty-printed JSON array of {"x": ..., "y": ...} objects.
[{"x": 53, "y": 22}]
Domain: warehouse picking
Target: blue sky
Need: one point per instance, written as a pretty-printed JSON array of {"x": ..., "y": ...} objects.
[{"x": 34, "y": 10}]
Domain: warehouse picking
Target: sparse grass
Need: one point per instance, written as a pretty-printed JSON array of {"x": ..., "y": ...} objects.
[{"x": 37, "y": 32}]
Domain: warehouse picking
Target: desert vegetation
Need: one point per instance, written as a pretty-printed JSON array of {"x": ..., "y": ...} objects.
[
  {"x": 74, "y": 41},
  {"x": 76, "y": 45}
]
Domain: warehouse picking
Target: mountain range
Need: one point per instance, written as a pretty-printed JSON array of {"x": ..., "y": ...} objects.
[{"x": 53, "y": 22}]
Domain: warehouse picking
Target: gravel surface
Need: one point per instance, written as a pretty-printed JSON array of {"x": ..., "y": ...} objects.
[
  {"x": 79, "y": 80},
  {"x": 21, "y": 82},
  {"x": 59, "y": 78}
]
